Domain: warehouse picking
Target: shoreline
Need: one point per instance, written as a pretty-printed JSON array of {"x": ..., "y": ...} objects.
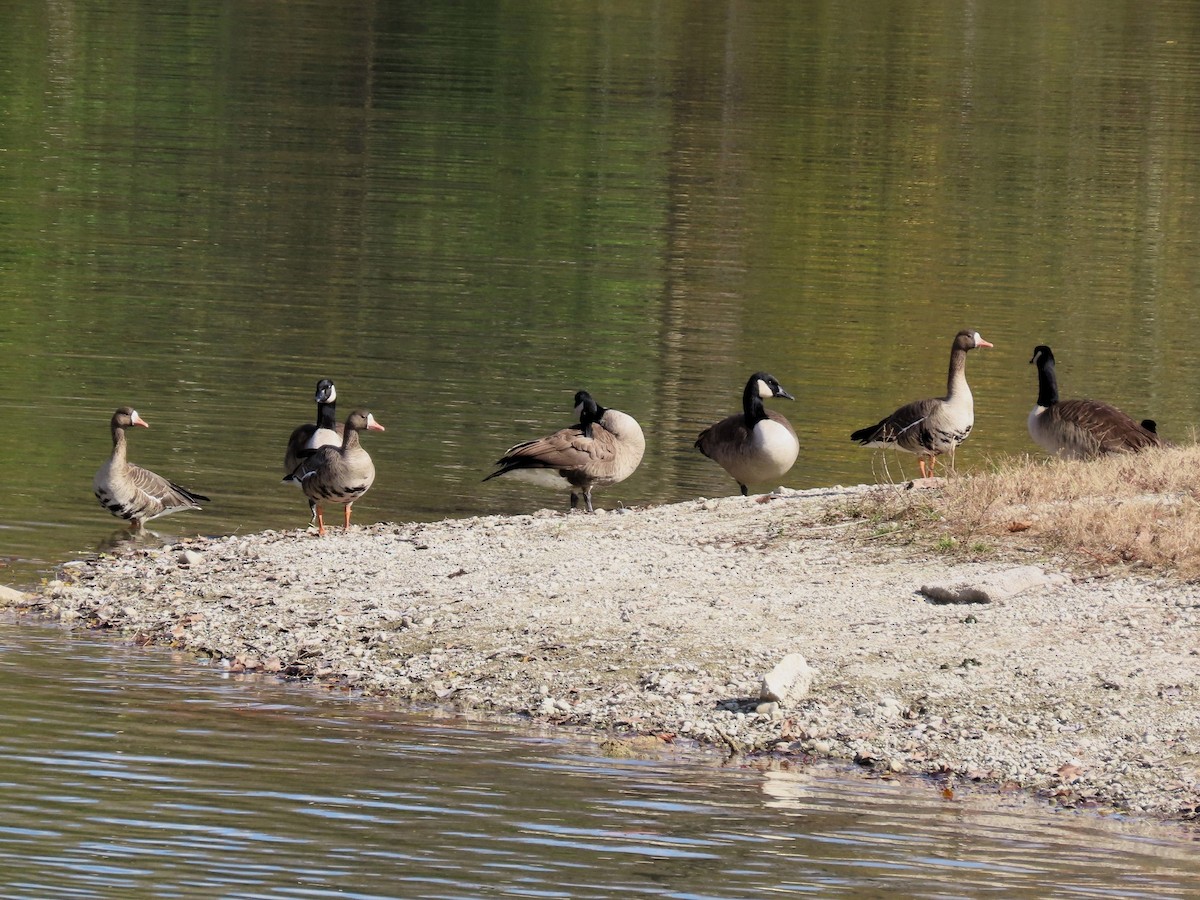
[{"x": 664, "y": 620}]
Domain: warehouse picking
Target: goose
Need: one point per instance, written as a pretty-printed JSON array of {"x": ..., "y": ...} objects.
[
  {"x": 605, "y": 448},
  {"x": 338, "y": 474},
  {"x": 758, "y": 445},
  {"x": 131, "y": 492},
  {"x": 326, "y": 432},
  {"x": 1081, "y": 429},
  {"x": 934, "y": 426}
]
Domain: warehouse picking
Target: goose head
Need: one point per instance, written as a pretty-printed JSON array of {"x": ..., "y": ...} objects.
[
  {"x": 326, "y": 392},
  {"x": 361, "y": 420},
  {"x": 1042, "y": 355},
  {"x": 585, "y": 404},
  {"x": 127, "y": 417},
  {"x": 766, "y": 386},
  {"x": 970, "y": 340}
]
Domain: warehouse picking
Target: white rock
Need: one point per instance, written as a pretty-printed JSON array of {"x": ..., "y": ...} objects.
[
  {"x": 190, "y": 558},
  {"x": 11, "y": 595},
  {"x": 791, "y": 679}
]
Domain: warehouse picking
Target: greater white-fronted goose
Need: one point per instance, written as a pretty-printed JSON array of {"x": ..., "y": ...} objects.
[
  {"x": 131, "y": 492},
  {"x": 603, "y": 449},
  {"x": 758, "y": 445},
  {"x": 325, "y": 432},
  {"x": 338, "y": 474},
  {"x": 1081, "y": 429},
  {"x": 934, "y": 426}
]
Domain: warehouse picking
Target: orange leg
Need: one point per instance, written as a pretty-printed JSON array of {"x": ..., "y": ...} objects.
[
  {"x": 348, "y": 505},
  {"x": 320, "y": 520}
]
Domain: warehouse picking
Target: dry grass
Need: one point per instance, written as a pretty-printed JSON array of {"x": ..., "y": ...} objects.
[{"x": 1125, "y": 511}]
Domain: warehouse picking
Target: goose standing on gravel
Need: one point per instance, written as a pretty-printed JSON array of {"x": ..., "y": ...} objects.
[
  {"x": 605, "y": 448},
  {"x": 1082, "y": 429},
  {"x": 758, "y": 445},
  {"x": 339, "y": 474},
  {"x": 131, "y": 492},
  {"x": 325, "y": 432},
  {"x": 934, "y": 426}
]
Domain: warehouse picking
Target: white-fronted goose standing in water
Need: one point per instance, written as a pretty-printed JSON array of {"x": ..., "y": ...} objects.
[
  {"x": 605, "y": 448},
  {"x": 934, "y": 426},
  {"x": 131, "y": 492},
  {"x": 338, "y": 474},
  {"x": 757, "y": 446},
  {"x": 1081, "y": 429},
  {"x": 325, "y": 432}
]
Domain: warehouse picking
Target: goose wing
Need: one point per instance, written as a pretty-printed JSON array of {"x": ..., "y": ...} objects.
[
  {"x": 1100, "y": 425},
  {"x": 568, "y": 449},
  {"x": 157, "y": 495},
  {"x": 904, "y": 427}
]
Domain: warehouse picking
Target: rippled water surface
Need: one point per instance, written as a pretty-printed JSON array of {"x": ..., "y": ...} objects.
[
  {"x": 134, "y": 772},
  {"x": 463, "y": 215}
]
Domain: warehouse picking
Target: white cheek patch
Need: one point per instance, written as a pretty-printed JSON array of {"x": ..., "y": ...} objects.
[
  {"x": 333, "y": 393},
  {"x": 763, "y": 390}
]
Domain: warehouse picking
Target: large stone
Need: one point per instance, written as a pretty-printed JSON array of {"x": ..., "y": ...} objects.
[
  {"x": 791, "y": 679},
  {"x": 994, "y": 588},
  {"x": 12, "y": 597}
]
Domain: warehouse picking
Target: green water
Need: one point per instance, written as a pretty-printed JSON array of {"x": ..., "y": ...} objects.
[{"x": 463, "y": 213}]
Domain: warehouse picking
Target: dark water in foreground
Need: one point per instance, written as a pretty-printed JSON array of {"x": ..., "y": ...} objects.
[{"x": 135, "y": 772}]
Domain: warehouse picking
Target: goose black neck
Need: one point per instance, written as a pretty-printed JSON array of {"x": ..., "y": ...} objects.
[
  {"x": 327, "y": 415},
  {"x": 1047, "y": 382},
  {"x": 752, "y": 405},
  {"x": 590, "y": 413}
]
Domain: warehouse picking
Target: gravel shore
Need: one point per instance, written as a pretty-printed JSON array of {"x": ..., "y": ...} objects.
[{"x": 664, "y": 621}]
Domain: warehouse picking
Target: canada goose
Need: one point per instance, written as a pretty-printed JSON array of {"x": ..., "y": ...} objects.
[
  {"x": 758, "y": 445},
  {"x": 1081, "y": 429},
  {"x": 339, "y": 474},
  {"x": 934, "y": 426},
  {"x": 326, "y": 432},
  {"x": 603, "y": 449},
  {"x": 131, "y": 492}
]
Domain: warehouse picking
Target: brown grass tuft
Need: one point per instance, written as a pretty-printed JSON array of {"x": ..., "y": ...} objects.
[{"x": 1129, "y": 510}]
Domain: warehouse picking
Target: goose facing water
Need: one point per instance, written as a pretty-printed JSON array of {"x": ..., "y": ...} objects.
[
  {"x": 1081, "y": 429},
  {"x": 758, "y": 445},
  {"x": 937, "y": 425},
  {"x": 131, "y": 492},
  {"x": 604, "y": 449}
]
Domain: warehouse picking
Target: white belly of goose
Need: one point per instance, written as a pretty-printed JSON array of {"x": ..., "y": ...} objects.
[
  {"x": 323, "y": 437},
  {"x": 1038, "y": 431},
  {"x": 773, "y": 450}
]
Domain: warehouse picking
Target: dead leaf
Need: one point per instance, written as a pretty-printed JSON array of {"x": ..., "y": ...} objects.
[{"x": 1069, "y": 771}]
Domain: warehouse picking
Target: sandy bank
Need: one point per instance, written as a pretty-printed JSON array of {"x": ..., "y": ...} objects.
[{"x": 664, "y": 620}]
